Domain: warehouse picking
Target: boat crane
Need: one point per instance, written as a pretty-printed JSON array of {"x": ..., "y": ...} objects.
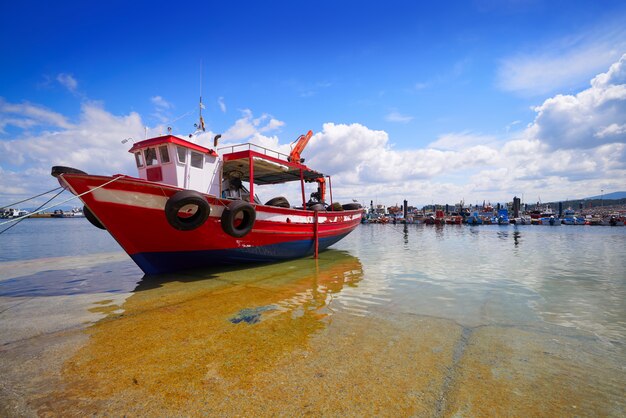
[
  {"x": 301, "y": 143},
  {"x": 295, "y": 156}
]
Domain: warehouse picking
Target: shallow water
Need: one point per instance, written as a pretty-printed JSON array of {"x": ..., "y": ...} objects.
[{"x": 394, "y": 320}]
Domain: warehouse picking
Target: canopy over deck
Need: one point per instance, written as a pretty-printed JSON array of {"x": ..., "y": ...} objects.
[{"x": 269, "y": 167}]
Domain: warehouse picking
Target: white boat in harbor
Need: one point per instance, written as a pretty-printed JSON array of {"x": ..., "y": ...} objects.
[
  {"x": 549, "y": 220},
  {"x": 74, "y": 213},
  {"x": 11, "y": 213}
]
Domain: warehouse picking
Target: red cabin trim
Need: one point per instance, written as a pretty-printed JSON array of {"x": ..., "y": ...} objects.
[{"x": 170, "y": 139}]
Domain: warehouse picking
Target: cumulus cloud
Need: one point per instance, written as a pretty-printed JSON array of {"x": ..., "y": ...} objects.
[
  {"x": 461, "y": 140},
  {"x": 364, "y": 156},
  {"x": 248, "y": 126},
  {"x": 26, "y": 115},
  {"x": 576, "y": 143},
  {"x": 593, "y": 117},
  {"x": 575, "y": 146},
  {"x": 92, "y": 144}
]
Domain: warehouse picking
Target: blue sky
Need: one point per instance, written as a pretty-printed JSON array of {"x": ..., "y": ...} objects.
[{"x": 430, "y": 101}]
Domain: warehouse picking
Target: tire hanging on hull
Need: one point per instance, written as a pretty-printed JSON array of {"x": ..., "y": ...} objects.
[
  {"x": 92, "y": 218},
  {"x": 235, "y": 225},
  {"x": 190, "y": 220}
]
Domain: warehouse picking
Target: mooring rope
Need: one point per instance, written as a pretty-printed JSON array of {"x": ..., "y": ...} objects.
[
  {"x": 60, "y": 203},
  {"x": 21, "y": 218},
  {"x": 30, "y": 198}
]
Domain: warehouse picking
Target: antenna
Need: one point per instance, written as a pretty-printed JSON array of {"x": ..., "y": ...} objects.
[{"x": 201, "y": 124}]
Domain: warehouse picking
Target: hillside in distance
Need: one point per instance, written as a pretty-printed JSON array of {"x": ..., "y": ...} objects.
[{"x": 609, "y": 196}]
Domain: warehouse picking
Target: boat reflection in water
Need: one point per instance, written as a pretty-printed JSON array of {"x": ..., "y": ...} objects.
[{"x": 202, "y": 334}]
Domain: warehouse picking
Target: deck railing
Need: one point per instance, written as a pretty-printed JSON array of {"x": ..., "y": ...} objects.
[{"x": 253, "y": 147}]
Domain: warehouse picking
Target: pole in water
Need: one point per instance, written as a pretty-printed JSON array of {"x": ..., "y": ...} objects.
[{"x": 316, "y": 234}]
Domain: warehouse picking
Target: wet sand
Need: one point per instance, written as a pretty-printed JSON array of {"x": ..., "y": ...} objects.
[{"x": 287, "y": 339}]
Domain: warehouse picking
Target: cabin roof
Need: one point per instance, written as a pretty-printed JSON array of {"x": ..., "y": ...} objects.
[
  {"x": 171, "y": 139},
  {"x": 270, "y": 167}
]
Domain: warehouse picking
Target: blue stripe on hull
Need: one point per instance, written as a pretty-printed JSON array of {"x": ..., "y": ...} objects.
[{"x": 167, "y": 262}]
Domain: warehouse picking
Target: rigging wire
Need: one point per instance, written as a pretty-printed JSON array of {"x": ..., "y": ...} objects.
[
  {"x": 60, "y": 203},
  {"x": 24, "y": 217},
  {"x": 30, "y": 198}
]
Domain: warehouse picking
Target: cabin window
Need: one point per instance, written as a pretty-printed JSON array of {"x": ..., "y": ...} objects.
[
  {"x": 151, "y": 156},
  {"x": 139, "y": 159},
  {"x": 165, "y": 156},
  {"x": 197, "y": 159},
  {"x": 182, "y": 154}
]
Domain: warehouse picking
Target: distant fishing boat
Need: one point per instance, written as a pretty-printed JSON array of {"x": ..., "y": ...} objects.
[
  {"x": 570, "y": 218},
  {"x": 189, "y": 208},
  {"x": 11, "y": 213},
  {"x": 474, "y": 219},
  {"x": 545, "y": 220},
  {"x": 74, "y": 213},
  {"x": 502, "y": 218}
]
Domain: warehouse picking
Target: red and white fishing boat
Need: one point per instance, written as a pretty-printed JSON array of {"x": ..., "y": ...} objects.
[{"x": 188, "y": 207}]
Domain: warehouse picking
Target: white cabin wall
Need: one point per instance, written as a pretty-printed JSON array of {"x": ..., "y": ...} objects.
[
  {"x": 206, "y": 179},
  {"x": 180, "y": 174},
  {"x": 170, "y": 170},
  {"x": 214, "y": 168},
  {"x": 184, "y": 175}
]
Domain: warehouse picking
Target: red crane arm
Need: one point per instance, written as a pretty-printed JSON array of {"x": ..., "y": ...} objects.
[{"x": 301, "y": 143}]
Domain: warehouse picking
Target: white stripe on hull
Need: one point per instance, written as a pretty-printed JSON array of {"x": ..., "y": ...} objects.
[{"x": 152, "y": 201}]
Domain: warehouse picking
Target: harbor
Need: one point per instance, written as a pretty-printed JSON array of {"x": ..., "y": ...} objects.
[
  {"x": 389, "y": 321},
  {"x": 587, "y": 213},
  {"x": 326, "y": 209},
  {"x": 221, "y": 304}
]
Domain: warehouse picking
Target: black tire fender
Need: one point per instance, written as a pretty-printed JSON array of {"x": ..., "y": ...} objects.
[
  {"x": 279, "y": 202},
  {"x": 57, "y": 170},
  {"x": 317, "y": 207},
  {"x": 351, "y": 206},
  {"x": 92, "y": 218},
  {"x": 230, "y": 217},
  {"x": 187, "y": 198}
]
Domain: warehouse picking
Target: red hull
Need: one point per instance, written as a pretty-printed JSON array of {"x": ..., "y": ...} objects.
[{"x": 132, "y": 210}]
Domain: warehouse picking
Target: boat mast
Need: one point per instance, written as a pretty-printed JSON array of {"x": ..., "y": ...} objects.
[{"x": 201, "y": 106}]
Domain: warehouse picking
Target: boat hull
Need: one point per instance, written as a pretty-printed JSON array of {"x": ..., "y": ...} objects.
[{"x": 133, "y": 212}]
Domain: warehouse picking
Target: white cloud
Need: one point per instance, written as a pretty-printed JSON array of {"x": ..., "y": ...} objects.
[
  {"x": 461, "y": 140},
  {"x": 397, "y": 117},
  {"x": 593, "y": 117},
  {"x": 68, "y": 81},
  {"x": 272, "y": 125},
  {"x": 575, "y": 147},
  {"x": 91, "y": 144},
  {"x": 160, "y": 102},
  {"x": 248, "y": 125},
  {"x": 26, "y": 115},
  {"x": 220, "y": 102},
  {"x": 577, "y": 144},
  {"x": 564, "y": 63}
]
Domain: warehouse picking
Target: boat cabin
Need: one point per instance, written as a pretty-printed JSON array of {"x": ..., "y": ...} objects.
[
  {"x": 180, "y": 163},
  {"x": 177, "y": 162}
]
